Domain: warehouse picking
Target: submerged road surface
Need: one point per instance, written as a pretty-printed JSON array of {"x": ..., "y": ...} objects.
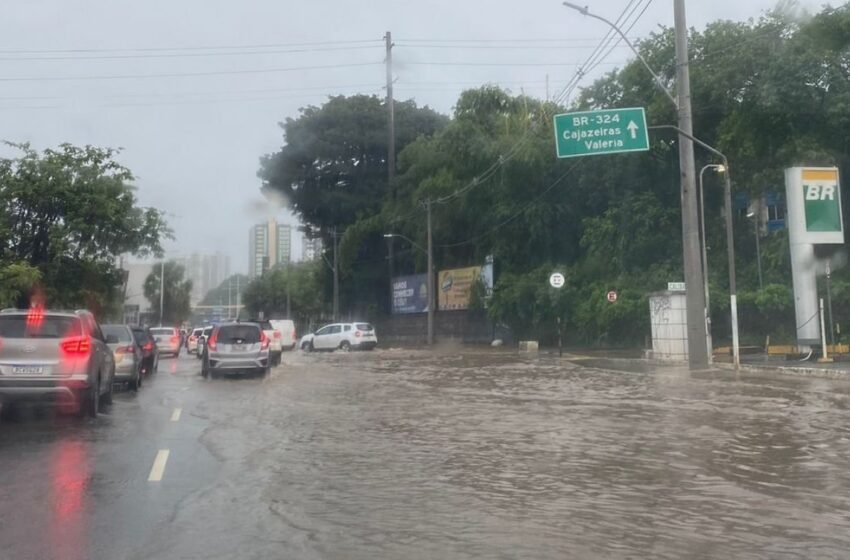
[{"x": 405, "y": 454}]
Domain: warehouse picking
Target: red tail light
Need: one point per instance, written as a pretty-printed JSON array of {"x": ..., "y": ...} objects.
[
  {"x": 193, "y": 338},
  {"x": 76, "y": 345},
  {"x": 277, "y": 335},
  {"x": 264, "y": 341},
  {"x": 148, "y": 346},
  {"x": 35, "y": 317},
  {"x": 358, "y": 334},
  {"x": 211, "y": 342},
  {"x": 175, "y": 339}
]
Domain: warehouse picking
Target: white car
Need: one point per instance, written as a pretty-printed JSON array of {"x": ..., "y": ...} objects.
[
  {"x": 192, "y": 340},
  {"x": 274, "y": 336},
  {"x": 288, "y": 336},
  {"x": 167, "y": 340},
  {"x": 341, "y": 336}
]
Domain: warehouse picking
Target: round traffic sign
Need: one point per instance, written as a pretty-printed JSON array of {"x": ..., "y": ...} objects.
[
  {"x": 612, "y": 296},
  {"x": 556, "y": 280}
]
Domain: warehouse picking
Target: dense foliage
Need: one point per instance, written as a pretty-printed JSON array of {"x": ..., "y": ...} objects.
[
  {"x": 65, "y": 216},
  {"x": 770, "y": 94},
  {"x": 176, "y": 293}
]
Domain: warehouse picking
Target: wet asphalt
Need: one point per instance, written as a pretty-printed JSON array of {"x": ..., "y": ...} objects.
[{"x": 455, "y": 454}]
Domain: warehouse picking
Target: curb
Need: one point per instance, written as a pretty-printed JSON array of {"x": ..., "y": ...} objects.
[{"x": 791, "y": 371}]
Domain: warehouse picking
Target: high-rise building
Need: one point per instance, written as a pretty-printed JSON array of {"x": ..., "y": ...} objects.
[
  {"x": 206, "y": 272},
  {"x": 311, "y": 249},
  {"x": 269, "y": 245}
]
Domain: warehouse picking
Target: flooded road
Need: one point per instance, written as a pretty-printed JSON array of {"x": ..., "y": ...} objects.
[{"x": 401, "y": 454}]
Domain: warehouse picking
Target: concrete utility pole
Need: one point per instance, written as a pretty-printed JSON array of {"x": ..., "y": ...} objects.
[
  {"x": 336, "y": 278},
  {"x": 431, "y": 295},
  {"x": 390, "y": 149},
  {"x": 161, "y": 290},
  {"x": 695, "y": 298}
]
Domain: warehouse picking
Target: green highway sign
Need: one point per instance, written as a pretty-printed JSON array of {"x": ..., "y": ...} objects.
[{"x": 609, "y": 131}]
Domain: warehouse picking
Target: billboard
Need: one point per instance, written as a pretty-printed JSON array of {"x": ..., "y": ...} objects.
[
  {"x": 410, "y": 294},
  {"x": 813, "y": 196},
  {"x": 454, "y": 287}
]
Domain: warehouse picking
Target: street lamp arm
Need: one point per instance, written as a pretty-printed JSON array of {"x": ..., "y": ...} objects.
[
  {"x": 409, "y": 240},
  {"x": 693, "y": 139},
  {"x": 586, "y": 12}
]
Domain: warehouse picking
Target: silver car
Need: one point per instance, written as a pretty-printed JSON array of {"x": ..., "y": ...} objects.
[
  {"x": 168, "y": 340},
  {"x": 236, "y": 348},
  {"x": 127, "y": 355},
  {"x": 55, "y": 356}
]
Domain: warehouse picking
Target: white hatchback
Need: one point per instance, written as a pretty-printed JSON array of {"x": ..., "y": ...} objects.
[{"x": 341, "y": 336}]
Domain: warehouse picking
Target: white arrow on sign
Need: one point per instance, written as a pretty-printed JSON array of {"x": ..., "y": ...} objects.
[{"x": 633, "y": 128}]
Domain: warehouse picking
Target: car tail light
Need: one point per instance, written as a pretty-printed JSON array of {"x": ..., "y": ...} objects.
[
  {"x": 358, "y": 334},
  {"x": 148, "y": 346},
  {"x": 277, "y": 335},
  {"x": 175, "y": 339},
  {"x": 264, "y": 341},
  {"x": 76, "y": 345},
  {"x": 193, "y": 338},
  {"x": 212, "y": 342},
  {"x": 35, "y": 317}
]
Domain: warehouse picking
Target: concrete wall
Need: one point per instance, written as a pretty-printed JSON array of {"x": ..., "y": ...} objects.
[{"x": 468, "y": 327}]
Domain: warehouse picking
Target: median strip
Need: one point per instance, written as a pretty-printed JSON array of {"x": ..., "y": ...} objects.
[
  {"x": 175, "y": 416},
  {"x": 158, "y": 469}
]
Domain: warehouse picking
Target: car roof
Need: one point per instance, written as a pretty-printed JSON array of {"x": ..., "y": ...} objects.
[
  {"x": 55, "y": 313},
  {"x": 235, "y": 323}
]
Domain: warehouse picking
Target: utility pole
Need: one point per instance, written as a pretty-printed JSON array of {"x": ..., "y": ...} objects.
[
  {"x": 431, "y": 294},
  {"x": 288, "y": 290},
  {"x": 238, "y": 298},
  {"x": 390, "y": 149},
  {"x": 697, "y": 350},
  {"x": 336, "y": 278},
  {"x": 229, "y": 298},
  {"x": 161, "y": 290}
]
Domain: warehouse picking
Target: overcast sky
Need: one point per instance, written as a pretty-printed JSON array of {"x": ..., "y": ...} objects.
[{"x": 193, "y": 89}]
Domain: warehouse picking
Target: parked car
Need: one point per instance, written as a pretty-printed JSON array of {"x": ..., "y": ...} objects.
[
  {"x": 167, "y": 340},
  {"x": 57, "y": 356},
  {"x": 192, "y": 340},
  {"x": 341, "y": 336},
  {"x": 150, "y": 352},
  {"x": 288, "y": 335},
  {"x": 274, "y": 336},
  {"x": 127, "y": 354},
  {"x": 236, "y": 348},
  {"x": 202, "y": 340}
]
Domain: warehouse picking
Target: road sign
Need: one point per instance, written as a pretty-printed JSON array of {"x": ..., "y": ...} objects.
[
  {"x": 612, "y": 296},
  {"x": 557, "y": 280},
  {"x": 610, "y": 131},
  {"x": 675, "y": 286}
]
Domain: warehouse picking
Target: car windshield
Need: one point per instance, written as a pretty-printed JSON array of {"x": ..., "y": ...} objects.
[
  {"x": 363, "y": 326},
  {"x": 42, "y": 326},
  {"x": 230, "y": 334},
  {"x": 141, "y": 336},
  {"x": 118, "y": 331}
]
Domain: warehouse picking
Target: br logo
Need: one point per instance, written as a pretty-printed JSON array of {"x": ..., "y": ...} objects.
[{"x": 820, "y": 192}]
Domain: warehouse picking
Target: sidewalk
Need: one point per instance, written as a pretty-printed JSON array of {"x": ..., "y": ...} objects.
[{"x": 777, "y": 364}]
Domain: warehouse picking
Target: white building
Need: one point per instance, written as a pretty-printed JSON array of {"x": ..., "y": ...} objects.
[
  {"x": 311, "y": 249},
  {"x": 269, "y": 245},
  {"x": 206, "y": 272}
]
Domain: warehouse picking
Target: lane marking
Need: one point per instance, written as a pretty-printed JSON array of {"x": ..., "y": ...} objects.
[
  {"x": 158, "y": 468},
  {"x": 175, "y": 416}
]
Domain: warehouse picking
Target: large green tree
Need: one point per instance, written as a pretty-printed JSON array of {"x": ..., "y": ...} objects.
[
  {"x": 68, "y": 213},
  {"x": 298, "y": 284},
  {"x": 176, "y": 292}
]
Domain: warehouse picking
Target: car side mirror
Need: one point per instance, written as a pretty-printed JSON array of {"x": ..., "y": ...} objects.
[{"x": 111, "y": 339}]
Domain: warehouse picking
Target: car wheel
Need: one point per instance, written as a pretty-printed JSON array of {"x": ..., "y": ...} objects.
[
  {"x": 134, "y": 384},
  {"x": 106, "y": 398},
  {"x": 310, "y": 347},
  {"x": 90, "y": 401},
  {"x": 345, "y": 346}
]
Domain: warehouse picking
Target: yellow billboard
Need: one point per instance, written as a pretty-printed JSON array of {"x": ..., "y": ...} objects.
[{"x": 454, "y": 287}]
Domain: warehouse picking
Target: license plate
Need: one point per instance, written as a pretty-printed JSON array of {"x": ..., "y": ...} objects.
[
  {"x": 27, "y": 370},
  {"x": 238, "y": 346}
]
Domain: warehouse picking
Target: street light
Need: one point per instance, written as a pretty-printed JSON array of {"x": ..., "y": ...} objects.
[
  {"x": 719, "y": 168},
  {"x": 755, "y": 214},
  {"x": 430, "y": 336}
]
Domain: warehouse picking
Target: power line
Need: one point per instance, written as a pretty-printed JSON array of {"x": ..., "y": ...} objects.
[
  {"x": 538, "y": 64},
  {"x": 177, "y": 55},
  {"x": 547, "y": 47},
  {"x": 186, "y": 74},
  {"x": 189, "y": 48}
]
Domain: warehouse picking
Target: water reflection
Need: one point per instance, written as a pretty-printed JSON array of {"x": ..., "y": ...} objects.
[{"x": 70, "y": 476}]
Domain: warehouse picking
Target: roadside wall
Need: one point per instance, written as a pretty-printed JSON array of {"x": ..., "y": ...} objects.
[{"x": 467, "y": 327}]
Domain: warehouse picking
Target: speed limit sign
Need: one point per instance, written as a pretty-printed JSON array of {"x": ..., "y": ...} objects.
[{"x": 612, "y": 297}]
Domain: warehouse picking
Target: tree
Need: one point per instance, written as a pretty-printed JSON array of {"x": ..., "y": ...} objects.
[
  {"x": 176, "y": 303},
  {"x": 225, "y": 292},
  {"x": 68, "y": 213},
  {"x": 300, "y": 281}
]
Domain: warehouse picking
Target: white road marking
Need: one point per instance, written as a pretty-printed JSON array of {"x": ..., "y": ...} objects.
[
  {"x": 175, "y": 416},
  {"x": 158, "y": 468}
]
